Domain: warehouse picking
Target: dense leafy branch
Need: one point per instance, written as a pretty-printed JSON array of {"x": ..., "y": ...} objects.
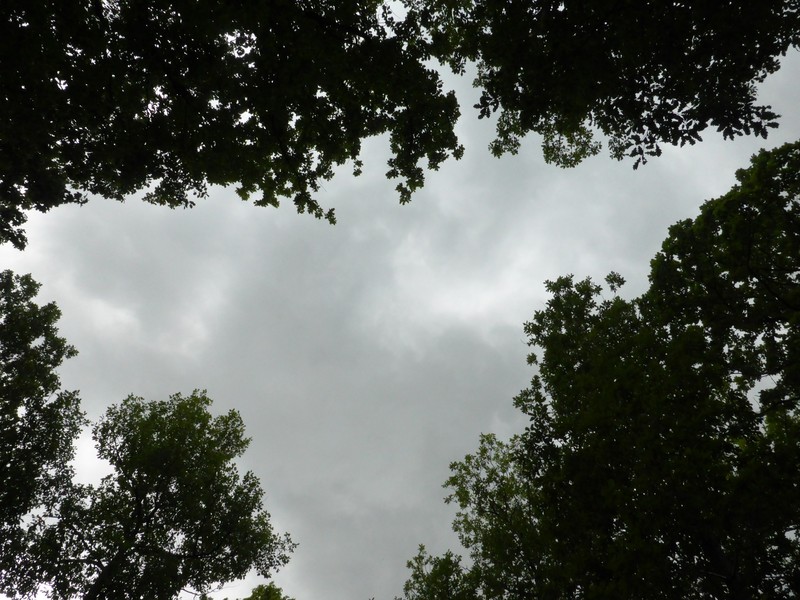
[
  {"x": 643, "y": 74},
  {"x": 112, "y": 97},
  {"x": 174, "y": 513},
  {"x": 168, "y": 97},
  {"x": 660, "y": 460},
  {"x": 38, "y": 420}
]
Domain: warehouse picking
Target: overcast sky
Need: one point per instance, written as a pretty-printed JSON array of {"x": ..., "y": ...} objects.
[{"x": 364, "y": 357}]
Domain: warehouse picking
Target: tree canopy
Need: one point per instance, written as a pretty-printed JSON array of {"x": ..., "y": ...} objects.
[
  {"x": 641, "y": 73},
  {"x": 269, "y": 591},
  {"x": 173, "y": 514},
  {"x": 38, "y": 420},
  {"x": 112, "y": 97},
  {"x": 660, "y": 459}
]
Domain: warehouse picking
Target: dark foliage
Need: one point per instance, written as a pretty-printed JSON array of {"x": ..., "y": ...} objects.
[
  {"x": 110, "y": 97},
  {"x": 173, "y": 515},
  {"x": 38, "y": 421},
  {"x": 642, "y": 73},
  {"x": 661, "y": 459}
]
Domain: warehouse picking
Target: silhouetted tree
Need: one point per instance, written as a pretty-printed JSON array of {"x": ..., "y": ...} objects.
[
  {"x": 38, "y": 421},
  {"x": 642, "y": 73},
  {"x": 111, "y": 97},
  {"x": 173, "y": 514},
  {"x": 661, "y": 458}
]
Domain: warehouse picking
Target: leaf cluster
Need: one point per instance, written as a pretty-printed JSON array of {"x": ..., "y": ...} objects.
[
  {"x": 169, "y": 97},
  {"x": 38, "y": 420},
  {"x": 643, "y": 74},
  {"x": 173, "y": 514},
  {"x": 660, "y": 459},
  {"x": 113, "y": 97}
]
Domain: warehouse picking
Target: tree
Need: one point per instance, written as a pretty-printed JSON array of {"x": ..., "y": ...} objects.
[
  {"x": 173, "y": 514},
  {"x": 660, "y": 460},
  {"x": 110, "y": 97},
  {"x": 38, "y": 421},
  {"x": 643, "y": 74},
  {"x": 437, "y": 577},
  {"x": 269, "y": 591}
]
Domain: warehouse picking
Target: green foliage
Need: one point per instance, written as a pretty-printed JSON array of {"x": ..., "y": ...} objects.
[
  {"x": 660, "y": 460},
  {"x": 734, "y": 270},
  {"x": 173, "y": 514},
  {"x": 437, "y": 577},
  {"x": 642, "y": 73},
  {"x": 111, "y": 97},
  {"x": 269, "y": 591},
  {"x": 38, "y": 421}
]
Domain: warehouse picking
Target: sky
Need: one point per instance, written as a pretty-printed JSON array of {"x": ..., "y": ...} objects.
[{"x": 367, "y": 356}]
